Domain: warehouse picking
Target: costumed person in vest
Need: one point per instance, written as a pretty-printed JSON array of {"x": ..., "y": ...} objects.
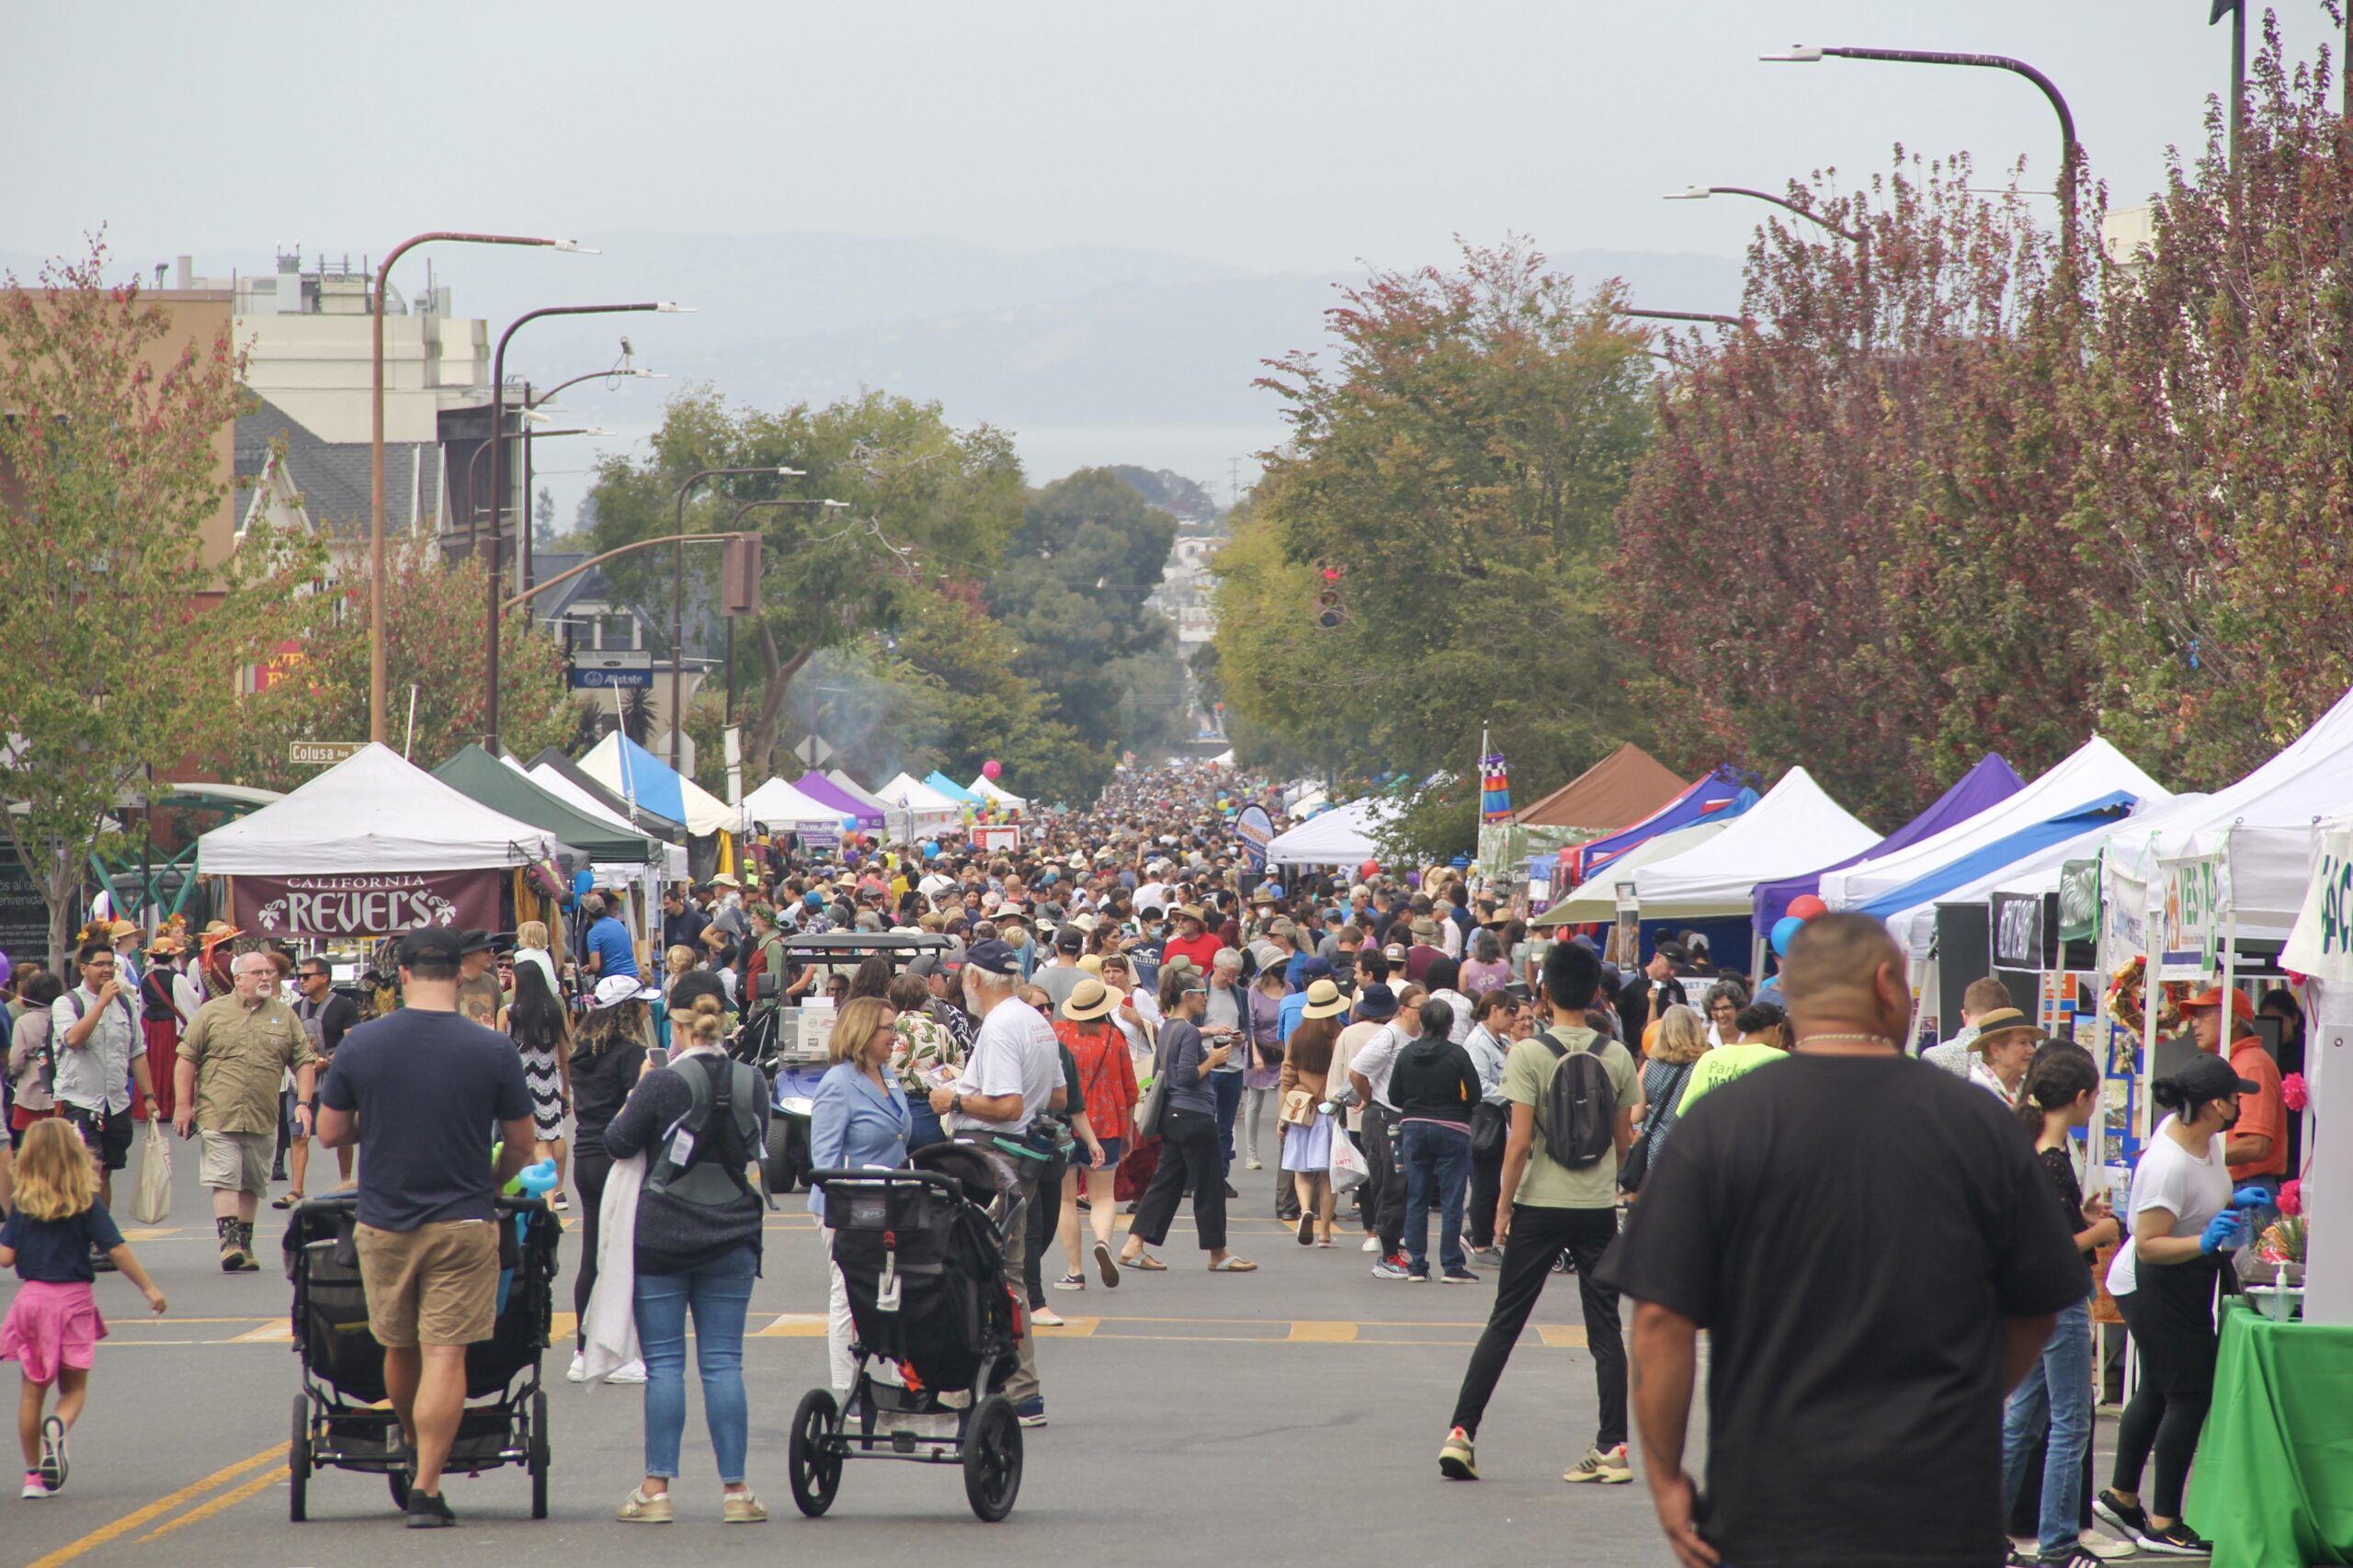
[
  {"x": 160, "y": 1019},
  {"x": 694, "y": 1246}
]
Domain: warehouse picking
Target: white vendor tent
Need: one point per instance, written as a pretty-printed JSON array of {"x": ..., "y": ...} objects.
[
  {"x": 1597, "y": 897},
  {"x": 1341, "y": 836},
  {"x": 840, "y": 780},
  {"x": 373, "y": 811},
  {"x": 1793, "y": 829},
  {"x": 984, "y": 786},
  {"x": 932, "y": 812},
  {"x": 2264, "y": 822},
  {"x": 2093, "y": 771},
  {"x": 2035, "y": 872},
  {"x": 778, "y": 804}
]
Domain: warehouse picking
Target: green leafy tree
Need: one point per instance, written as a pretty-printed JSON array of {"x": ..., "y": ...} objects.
[
  {"x": 1455, "y": 466},
  {"x": 127, "y": 633},
  {"x": 434, "y": 656},
  {"x": 1089, "y": 550},
  {"x": 925, "y": 501}
]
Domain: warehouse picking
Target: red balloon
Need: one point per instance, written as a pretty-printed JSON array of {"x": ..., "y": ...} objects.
[{"x": 1805, "y": 906}]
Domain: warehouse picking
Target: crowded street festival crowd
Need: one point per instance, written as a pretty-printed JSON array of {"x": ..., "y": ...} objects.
[{"x": 1892, "y": 1258}]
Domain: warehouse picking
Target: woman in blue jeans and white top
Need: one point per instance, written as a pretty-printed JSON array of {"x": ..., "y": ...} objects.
[
  {"x": 2060, "y": 1093},
  {"x": 694, "y": 1256}
]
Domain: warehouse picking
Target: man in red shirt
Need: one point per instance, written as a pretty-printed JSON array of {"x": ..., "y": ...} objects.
[
  {"x": 2256, "y": 1147},
  {"x": 1193, "y": 940}
]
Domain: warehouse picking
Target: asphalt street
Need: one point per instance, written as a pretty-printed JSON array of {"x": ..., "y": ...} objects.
[{"x": 1260, "y": 1415}]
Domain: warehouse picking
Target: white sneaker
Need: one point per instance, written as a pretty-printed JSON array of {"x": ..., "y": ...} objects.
[
  {"x": 1046, "y": 1317},
  {"x": 1371, "y": 1244},
  {"x": 35, "y": 1488},
  {"x": 2102, "y": 1545},
  {"x": 1252, "y": 1164},
  {"x": 578, "y": 1371},
  {"x": 632, "y": 1372}
]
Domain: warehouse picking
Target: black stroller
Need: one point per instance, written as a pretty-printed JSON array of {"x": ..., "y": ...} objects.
[
  {"x": 338, "y": 1418},
  {"x": 921, "y": 1253}
]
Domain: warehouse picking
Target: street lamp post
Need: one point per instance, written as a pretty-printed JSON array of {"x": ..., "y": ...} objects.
[
  {"x": 678, "y": 588},
  {"x": 376, "y": 723},
  {"x": 523, "y": 535},
  {"x": 1685, "y": 315},
  {"x": 2069, "y": 151},
  {"x": 1860, "y": 238},
  {"x": 497, "y": 479}
]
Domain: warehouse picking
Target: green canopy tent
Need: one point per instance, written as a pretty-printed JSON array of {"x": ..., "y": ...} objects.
[{"x": 476, "y": 773}]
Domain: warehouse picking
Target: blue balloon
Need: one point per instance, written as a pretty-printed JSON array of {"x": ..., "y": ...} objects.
[
  {"x": 930, "y": 850},
  {"x": 583, "y": 883},
  {"x": 1785, "y": 930},
  {"x": 849, "y": 824}
]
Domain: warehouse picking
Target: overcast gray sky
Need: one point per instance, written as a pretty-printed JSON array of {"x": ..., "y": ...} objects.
[{"x": 1281, "y": 134}]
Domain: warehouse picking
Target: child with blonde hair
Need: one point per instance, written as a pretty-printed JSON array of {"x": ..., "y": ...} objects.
[{"x": 52, "y": 1328}]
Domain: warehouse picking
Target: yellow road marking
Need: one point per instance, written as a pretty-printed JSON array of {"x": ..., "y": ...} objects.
[
  {"x": 1310, "y": 1333},
  {"x": 157, "y": 1509},
  {"x": 280, "y": 1331},
  {"x": 1072, "y": 1328},
  {"x": 1561, "y": 1336},
  {"x": 794, "y": 1326},
  {"x": 221, "y": 1505}
]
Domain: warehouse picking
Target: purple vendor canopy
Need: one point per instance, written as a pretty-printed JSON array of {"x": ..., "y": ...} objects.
[
  {"x": 819, "y": 788},
  {"x": 1989, "y": 783}
]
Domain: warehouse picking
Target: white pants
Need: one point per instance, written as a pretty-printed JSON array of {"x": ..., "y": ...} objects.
[{"x": 838, "y": 1329}]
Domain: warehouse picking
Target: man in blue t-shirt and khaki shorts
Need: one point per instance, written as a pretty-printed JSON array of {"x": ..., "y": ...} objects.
[{"x": 418, "y": 1093}]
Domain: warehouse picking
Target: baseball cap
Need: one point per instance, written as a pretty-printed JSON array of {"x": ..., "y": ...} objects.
[
  {"x": 2204, "y": 1077},
  {"x": 2212, "y": 997},
  {"x": 616, "y": 989},
  {"x": 1375, "y": 1003},
  {"x": 923, "y": 966},
  {"x": 994, "y": 956},
  {"x": 431, "y": 944}
]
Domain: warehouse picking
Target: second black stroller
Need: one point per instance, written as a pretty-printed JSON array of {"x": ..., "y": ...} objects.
[
  {"x": 921, "y": 1253},
  {"x": 340, "y": 1419}
]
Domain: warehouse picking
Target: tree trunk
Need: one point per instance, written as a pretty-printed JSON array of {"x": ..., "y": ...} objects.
[{"x": 775, "y": 679}]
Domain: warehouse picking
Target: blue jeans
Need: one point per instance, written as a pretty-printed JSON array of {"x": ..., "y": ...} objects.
[
  {"x": 718, "y": 1292},
  {"x": 2057, "y": 1391},
  {"x": 1227, "y": 1088},
  {"x": 1437, "y": 1164}
]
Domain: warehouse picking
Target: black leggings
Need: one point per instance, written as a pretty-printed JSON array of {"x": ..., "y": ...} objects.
[
  {"x": 2166, "y": 1424},
  {"x": 588, "y": 1173}
]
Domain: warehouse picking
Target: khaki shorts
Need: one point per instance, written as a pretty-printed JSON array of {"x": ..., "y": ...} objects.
[
  {"x": 435, "y": 1285},
  {"x": 236, "y": 1161}
]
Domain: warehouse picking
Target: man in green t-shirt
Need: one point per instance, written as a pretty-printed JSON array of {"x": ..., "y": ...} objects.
[
  {"x": 1550, "y": 1209},
  {"x": 1762, "y": 1029}
]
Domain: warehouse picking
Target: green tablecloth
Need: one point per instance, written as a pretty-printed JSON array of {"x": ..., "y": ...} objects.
[{"x": 2273, "y": 1484}]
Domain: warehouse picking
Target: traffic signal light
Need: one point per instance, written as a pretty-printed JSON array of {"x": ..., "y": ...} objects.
[{"x": 1331, "y": 612}]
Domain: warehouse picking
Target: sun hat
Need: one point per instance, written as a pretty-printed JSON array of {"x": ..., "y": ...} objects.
[
  {"x": 616, "y": 989},
  {"x": 1092, "y": 963},
  {"x": 1324, "y": 1001},
  {"x": 1090, "y": 998},
  {"x": 1375, "y": 1003}
]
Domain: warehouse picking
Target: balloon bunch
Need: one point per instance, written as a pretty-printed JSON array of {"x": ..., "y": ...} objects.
[{"x": 1802, "y": 908}]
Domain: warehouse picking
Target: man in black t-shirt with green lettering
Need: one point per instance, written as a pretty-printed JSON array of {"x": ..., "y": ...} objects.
[
  {"x": 1875, "y": 1257},
  {"x": 419, "y": 1092}
]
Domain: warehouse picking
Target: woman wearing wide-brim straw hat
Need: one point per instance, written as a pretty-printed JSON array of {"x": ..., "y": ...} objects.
[
  {"x": 1305, "y": 1126},
  {"x": 1107, "y": 1083}
]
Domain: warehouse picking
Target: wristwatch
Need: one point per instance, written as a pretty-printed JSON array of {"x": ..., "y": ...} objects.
[{"x": 956, "y": 1104}]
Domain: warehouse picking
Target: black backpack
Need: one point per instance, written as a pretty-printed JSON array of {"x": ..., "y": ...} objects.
[{"x": 1579, "y": 1111}]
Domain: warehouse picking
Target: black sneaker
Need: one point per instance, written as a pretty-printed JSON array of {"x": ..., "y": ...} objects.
[
  {"x": 427, "y": 1511},
  {"x": 2130, "y": 1518},
  {"x": 2067, "y": 1557},
  {"x": 2176, "y": 1540}
]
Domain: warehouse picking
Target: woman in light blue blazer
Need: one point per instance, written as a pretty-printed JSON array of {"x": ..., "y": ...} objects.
[{"x": 859, "y": 1117}]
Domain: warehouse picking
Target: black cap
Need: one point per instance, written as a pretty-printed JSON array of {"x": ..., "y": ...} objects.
[
  {"x": 1069, "y": 939},
  {"x": 2205, "y": 1077},
  {"x": 478, "y": 942},
  {"x": 432, "y": 944}
]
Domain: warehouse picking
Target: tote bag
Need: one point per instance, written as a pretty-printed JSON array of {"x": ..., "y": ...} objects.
[{"x": 151, "y": 1204}]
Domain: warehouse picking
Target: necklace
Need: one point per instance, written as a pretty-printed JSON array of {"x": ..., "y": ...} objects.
[{"x": 1848, "y": 1040}]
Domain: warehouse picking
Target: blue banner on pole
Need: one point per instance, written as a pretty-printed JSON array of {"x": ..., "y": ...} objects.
[{"x": 1256, "y": 830}]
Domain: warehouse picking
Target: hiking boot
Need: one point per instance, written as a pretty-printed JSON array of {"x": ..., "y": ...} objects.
[
  {"x": 1456, "y": 1460},
  {"x": 233, "y": 1252},
  {"x": 1611, "y": 1466},
  {"x": 249, "y": 1264}
]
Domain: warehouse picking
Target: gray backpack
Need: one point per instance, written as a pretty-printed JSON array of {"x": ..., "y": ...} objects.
[{"x": 724, "y": 1123}]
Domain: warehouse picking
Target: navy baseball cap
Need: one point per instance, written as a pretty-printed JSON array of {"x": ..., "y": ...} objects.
[
  {"x": 432, "y": 944},
  {"x": 997, "y": 958}
]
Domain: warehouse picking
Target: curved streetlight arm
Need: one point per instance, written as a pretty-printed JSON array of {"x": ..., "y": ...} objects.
[
  {"x": 536, "y": 589},
  {"x": 594, "y": 376},
  {"x": 1851, "y": 235},
  {"x": 1688, "y": 316},
  {"x": 2068, "y": 150},
  {"x": 377, "y": 730}
]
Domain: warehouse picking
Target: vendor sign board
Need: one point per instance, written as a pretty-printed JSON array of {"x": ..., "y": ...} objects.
[
  {"x": 1255, "y": 829},
  {"x": 2192, "y": 893},
  {"x": 2320, "y": 942},
  {"x": 366, "y": 904},
  {"x": 2017, "y": 930},
  {"x": 999, "y": 839}
]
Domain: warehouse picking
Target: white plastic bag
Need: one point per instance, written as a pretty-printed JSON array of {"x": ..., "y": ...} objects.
[
  {"x": 151, "y": 1204},
  {"x": 1348, "y": 1168}
]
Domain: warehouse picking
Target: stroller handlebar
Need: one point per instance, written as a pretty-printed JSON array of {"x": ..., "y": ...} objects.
[{"x": 899, "y": 1176}]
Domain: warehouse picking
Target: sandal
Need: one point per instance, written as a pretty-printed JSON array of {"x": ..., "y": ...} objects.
[
  {"x": 286, "y": 1201},
  {"x": 1234, "y": 1265},
  {"x": 1144, "y": 1263}
]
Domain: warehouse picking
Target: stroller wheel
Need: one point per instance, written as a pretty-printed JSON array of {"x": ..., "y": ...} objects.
[
  {"x": 540, "y": 1455},
  {"x": 783, "y": 1172},
  {"x": 993, "y": 1459},
  {"x": 396, "y": 1483},
  {"x": 298, "y": 1463},
  {"x": 814, "y": 1471}
]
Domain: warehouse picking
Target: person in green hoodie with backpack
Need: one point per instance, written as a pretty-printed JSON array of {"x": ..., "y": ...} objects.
[{"x": 1571, "y": 1092}]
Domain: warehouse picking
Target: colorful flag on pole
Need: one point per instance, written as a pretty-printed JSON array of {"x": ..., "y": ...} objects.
[{"x": 1495, "y": 788}]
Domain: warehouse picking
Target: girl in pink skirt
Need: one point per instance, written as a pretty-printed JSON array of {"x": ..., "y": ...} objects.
[{"x": 53, "y": 1327}]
